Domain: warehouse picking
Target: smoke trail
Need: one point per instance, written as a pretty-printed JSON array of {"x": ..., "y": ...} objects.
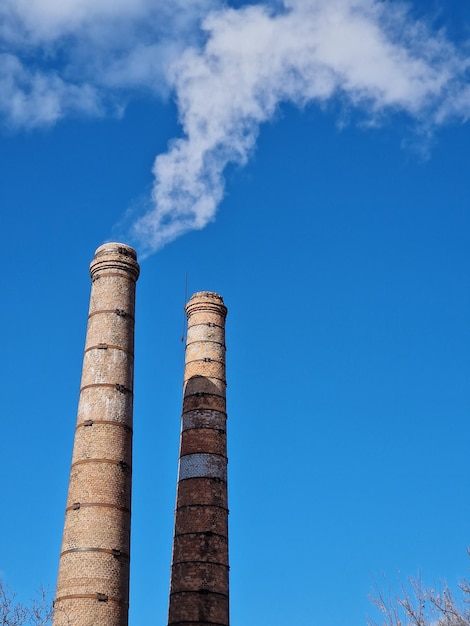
[
  {"x": 89, "y": 57},
  {"x": 307, "y": 51}
]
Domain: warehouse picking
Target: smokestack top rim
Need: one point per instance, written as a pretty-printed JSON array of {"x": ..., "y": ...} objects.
[
  {"x": 114, "y": 256},
  {"x": 198, "y": 295},
  {"x": 206, "y": 301},
  {"x": 117, "y": 248}
]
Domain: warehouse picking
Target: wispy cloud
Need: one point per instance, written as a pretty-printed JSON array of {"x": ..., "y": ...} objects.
[
  {"x": 230, "y": 69},
  {"x": 83, "y": 56},
  {"x": 367, "y": 52},
  {"x": 31, "y": 98}
]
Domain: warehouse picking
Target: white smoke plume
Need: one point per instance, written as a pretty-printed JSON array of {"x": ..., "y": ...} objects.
[
  {"x": 229, "y": 70},
  {"x": 368, "y": 52}
]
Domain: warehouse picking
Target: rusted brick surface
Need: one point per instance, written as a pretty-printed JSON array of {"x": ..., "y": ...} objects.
[
  {"x": 204, "y": 440},
  {"x": 199, "y": 578}
]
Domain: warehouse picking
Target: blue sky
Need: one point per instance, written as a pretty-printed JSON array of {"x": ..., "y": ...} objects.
[{"x": 340, "y": 245}]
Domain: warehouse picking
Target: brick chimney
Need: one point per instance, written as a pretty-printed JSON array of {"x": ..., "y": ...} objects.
[
  {"x": 93, "y": 581},
  {"x": 199, "y": 573}
]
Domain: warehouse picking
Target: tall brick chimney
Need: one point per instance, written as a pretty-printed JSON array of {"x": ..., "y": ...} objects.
[
  {"x": 199, "y": 574},
  {"x": 93, "y": 581}
]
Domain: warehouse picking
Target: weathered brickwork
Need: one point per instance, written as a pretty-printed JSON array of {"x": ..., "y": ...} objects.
[
  {"x": 93, "y": 581},
  {"x": 199, "y": 593},
  {"x": 200, "y": 547},
  {"x": 203, "y": 440},
  {"x": 202, "y": 491},
  {"x": 206, "y": 608},
  {"x": 204, "y": 400},
  {"x": 204, "y": 418}
]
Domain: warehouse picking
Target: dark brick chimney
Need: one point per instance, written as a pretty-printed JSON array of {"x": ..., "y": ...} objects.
[{"x": 199, "y": 573}]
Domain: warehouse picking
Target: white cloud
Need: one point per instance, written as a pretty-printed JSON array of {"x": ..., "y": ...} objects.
[
  {"x": 91, "y": 48},
  {"x": 230, "y": 76},
  {"x": 33, "y": 98},
  {"x": 39, "y": 21},
  {"x": 254, "y": 58}
]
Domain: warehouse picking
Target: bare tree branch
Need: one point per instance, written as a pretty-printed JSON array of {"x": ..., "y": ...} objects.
[
  {"x": 15, "y": 613},
  {"x": 418, "y": 605}
]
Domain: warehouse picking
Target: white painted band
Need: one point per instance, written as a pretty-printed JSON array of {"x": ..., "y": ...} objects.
[{"x": 202, "y": 465}]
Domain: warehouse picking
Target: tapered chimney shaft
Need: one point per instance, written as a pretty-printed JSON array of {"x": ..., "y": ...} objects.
[
  {"x": 199, "y": 574},
  {"x": 93, "y": 581}
]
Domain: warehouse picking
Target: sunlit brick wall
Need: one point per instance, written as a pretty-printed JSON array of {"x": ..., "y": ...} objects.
[{"x": 93, "y": 581}]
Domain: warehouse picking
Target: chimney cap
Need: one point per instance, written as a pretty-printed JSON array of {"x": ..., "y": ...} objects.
[
  {"x": 206, "y": 301},
  {"x": 117, "y": 248},
  {"x": 114, "y": 256}
]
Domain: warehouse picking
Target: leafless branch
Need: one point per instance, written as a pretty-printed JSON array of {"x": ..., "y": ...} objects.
[
  {"x": 418, "y": 605},
  {"x": 16, "y": 613}
]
